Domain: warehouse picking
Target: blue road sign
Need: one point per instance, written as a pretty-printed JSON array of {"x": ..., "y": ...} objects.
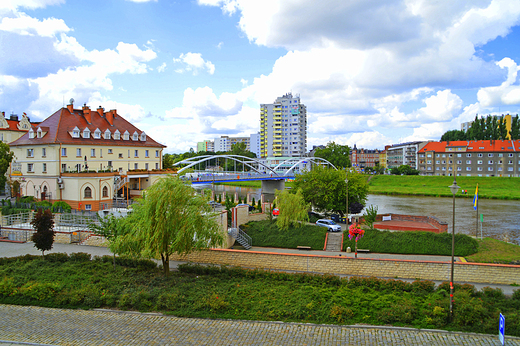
[{"x": 502, "y": 329}]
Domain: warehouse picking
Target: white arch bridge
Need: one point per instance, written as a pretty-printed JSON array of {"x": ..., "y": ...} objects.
[{"x": 207, "y": 169}]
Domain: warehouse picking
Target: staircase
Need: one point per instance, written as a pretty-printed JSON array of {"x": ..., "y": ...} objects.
[
  {"x": 241, "y": 237},
  {"x": 120, "y": 183},
  {"x": 334, "y": 241}
]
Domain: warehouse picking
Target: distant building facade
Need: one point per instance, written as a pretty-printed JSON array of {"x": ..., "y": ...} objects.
[
  {"x": 283, "y": 127},
  {"x": 403, "y": 154},
  {"x": 364, "y": 157},
  {"x": 487, "y": 158}
]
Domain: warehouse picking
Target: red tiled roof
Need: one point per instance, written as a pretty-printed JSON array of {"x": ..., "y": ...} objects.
[
  {"x": 60, "y": 124},
  {"x": 474, "y": 146}
]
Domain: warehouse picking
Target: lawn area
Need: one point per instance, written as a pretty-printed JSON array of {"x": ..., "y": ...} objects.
[
  {"x": 266, "y": 233},
  {"x": 488, "y": 187},
  {"x": 496, "y": 251}
]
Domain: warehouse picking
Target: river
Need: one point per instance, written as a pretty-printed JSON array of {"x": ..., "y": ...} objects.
[{"x": 501, "y": 217}]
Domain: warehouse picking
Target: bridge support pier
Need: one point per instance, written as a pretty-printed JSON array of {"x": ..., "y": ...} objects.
[{"x": 269, "y": 186}]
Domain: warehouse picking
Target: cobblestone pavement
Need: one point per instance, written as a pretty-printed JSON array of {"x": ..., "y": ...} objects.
[{"x": 44, "y": 326}]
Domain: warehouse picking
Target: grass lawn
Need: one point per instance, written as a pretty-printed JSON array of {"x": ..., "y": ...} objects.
[
  {"x": 488, "y": 187},
  {"x": 495, "y": 251},
  {"x": 234, "y": 293}
]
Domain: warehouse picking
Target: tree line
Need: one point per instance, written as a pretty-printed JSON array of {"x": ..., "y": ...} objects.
[{"x": 490, "y": 127}]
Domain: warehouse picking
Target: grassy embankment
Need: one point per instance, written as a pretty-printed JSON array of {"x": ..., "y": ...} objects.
[
  {"x": 76, "y": 281},
  {"x": 489, "y": 187},
  {"x": 495, "y": 251}
]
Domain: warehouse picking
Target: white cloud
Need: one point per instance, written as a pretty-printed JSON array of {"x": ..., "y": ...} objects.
[
  {"x": 193, "y": 62},
  {"x": 220, "y": 44},
  {"x": 506, "y": 93},
  {"x": 25, "y": 25},
  {"x": 141, "y": 1},
  {"x": 162, "y": 67},
  {"x": 244, "y": 82},
  {"x": 29, "y": 4}
]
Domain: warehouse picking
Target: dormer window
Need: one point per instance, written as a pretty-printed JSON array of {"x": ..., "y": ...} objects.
[
  {"x": 31, "y": 133},
  {"x": 86, "y": 133},
  {"x": 143, "y": 137},
  {"x": 107, "y": 134},
  {"x": 75, "y": 132},
  {"x": 135, "y": 136},
  {"x": 126, "y": 136},
  {"x": 117, "y": 135},
  {"x": 39, "y": 133},
  {"x": 97, "y": 134}
]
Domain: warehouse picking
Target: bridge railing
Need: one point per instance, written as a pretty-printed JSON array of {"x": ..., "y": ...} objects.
[{"x": 234, "y": 176}]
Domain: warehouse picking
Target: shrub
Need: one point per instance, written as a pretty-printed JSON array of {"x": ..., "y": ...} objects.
[
  {"x": 80, "y": 257},
  {"x": 423, "y": 286},
  {"x": 57, "y": 257},
  {"x": 43, "y": 224},
  {"x": 61, "y": 207},
  {"x": 516, "y": 294}
]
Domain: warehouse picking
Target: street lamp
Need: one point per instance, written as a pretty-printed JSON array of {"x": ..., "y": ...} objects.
[
  {"x": 346, "y": 214},
  {"x": 454, "y": 188}
]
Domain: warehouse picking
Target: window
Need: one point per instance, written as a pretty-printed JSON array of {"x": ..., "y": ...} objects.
[
  {"x": 459, "y": 155},
  {"x": 490, "y": 168},
  {"x": 156, "y": 165},
  {"x": 136, "y": 166},
  {"x": 510, "y": 169},
  {"x": 105, "y": 191},
  {"x": 110, "y": 164},
  {"x": 429, "y": 168},
  {"x": 443, "y": 155},
  {"x": 97, "y": 134},
  {"x": 451, "y": 162},
  {"x": 100, "y": 152},
  {"x": 479, "y": 169},
  {"x": 78, "y": 152},
  {"x": 429, "y": 162},
  {"x": 88, "y": 206},
  {"x": 86, "y": 133},
  {"x": 146, "y": 153},
  {"x": 126, "y": 136},
  {"x": 479, "y": 162},
  {"x": 468, "y": 162},
  {"x": 510, "y": 162},
  {"x": 468, "y": 155},
  {"x": 120, "y": 155},
  {"x": 136, "y": 153},
  {"x": 143, "y": 137},
  {"x": 437, "y": 162},
  {"x": 146, "y": 166},
  {"x": 117, "y": 135},
  {"x": 459, "y": 162},
  {"x": 444, "y": 162},
  {"x": 135, "y": 136},
  {"x": 63, "y": 167},
  {"x": 480, "y": 155},
  {"x": 107, "y": 134},
  {"x": 429, "y": 155},
  {"x": 157, "y": 153},
  {"x": 110, "y": 151},
  {"x": 44, "y": 167},
  {"x": 468, "y": 169},
  {"x": 500, "y": 162},
  {"x": 510, "y": 155},
  {"x": 87, "y": 193},
  {"x": 30, "y": 152},
  {"x": 459, "y": 168},
  {"x": 31, "y": 133},
  {"x": 500, "y": 155},
  {"x": 63, "y": 151},
  {"x": 75, "y": 132},
  {"x": 44, "y": 152},
  {"x": 444, "y": 168},
  {"x": 499, "y": 169},
  {"x": 30, "y": 167},
  {"x": 490, "y": 154},
  {"x": 92, "y": 152},
  {"x": 436, "y": 168},
  {"x": 490, "y": 162}
]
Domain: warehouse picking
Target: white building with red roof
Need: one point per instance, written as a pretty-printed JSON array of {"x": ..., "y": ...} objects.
[
  {"x": 485, "y": 158},
  {"x": 85, "y": 157},
  {"x": 11, "y": 129}
]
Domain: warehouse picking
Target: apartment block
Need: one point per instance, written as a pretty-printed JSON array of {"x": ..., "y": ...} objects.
[
  {"x": 364, "y": 157},
  {"x": 488, "y": 158},
  {"x": 283, "y": 127},
  {"x": 403, "y": 154}
]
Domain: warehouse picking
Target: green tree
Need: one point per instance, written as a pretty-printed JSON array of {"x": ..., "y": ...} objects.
[
  {"x": 502, "y": 129},
  {"x": 515, "y": 128},
  {"x": 109, "y": 227},
  {"x": 6, "y": 156},
  {"x": 293, "y": 209},
  {"x": 325, "y": 189},
  {"x": 336, "y": 154},
  {"x": 43, "y": 224},
  {"x": 170, "y": 218},
  {"x": 370, "y": 216},
  {"x": 168, "y": 160},
  {"x": 453, "y": 135}
]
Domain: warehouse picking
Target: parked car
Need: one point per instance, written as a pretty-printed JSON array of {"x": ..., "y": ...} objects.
[
  {"x": 331, "y": 225},
  {"x": 251, "y": 208},
  {"x": 276, "y": 212}
]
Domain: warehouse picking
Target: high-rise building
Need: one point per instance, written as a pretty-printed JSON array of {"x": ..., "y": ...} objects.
[
  {"x": 225, "y": 143},
  {"x": 283, "y": 127},
  {"x": 255, "y": 144}
]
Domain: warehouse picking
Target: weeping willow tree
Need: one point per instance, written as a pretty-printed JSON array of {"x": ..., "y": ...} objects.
[
  {"x": 293, "y": 209},
  {"x": 170, "y": 218}
]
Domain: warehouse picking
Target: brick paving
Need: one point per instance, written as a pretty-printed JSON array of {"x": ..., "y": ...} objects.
[{"x": 45, "y": 326}]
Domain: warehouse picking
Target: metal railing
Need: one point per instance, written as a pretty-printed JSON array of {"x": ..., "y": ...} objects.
[{"x": 241, "y": 237}]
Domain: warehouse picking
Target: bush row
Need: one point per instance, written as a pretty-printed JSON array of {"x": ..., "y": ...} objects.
[
  {"x": 419, "y": 243},
  {"x": 266, "y": 233}
]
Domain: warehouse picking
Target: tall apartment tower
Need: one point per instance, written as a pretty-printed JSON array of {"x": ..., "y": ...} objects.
[{"x": 283, "y": 127}]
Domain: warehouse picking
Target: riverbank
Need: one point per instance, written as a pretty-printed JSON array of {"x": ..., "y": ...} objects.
[{"x": 489, "y": 187}]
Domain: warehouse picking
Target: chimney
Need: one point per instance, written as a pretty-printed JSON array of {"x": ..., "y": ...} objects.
[
  {"x": 70, "y": 107},
  {"x": 110, "y": 116},
  {"x": 100, "y": 110},
  {"x": 87, "y": 113}
]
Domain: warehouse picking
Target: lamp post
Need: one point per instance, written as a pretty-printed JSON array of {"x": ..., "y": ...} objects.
[
  {"x": 346, "y": 214},
  {"x": 454, "y": 188}
]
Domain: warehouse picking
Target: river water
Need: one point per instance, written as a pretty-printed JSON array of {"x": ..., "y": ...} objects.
[{"x": 501, "y": 217}]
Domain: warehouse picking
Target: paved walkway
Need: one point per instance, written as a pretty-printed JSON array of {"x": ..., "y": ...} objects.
[{"x": 44, "y": 326}]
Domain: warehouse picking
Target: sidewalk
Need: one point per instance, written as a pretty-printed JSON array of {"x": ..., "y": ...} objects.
[{"x": 29, "y": 325}]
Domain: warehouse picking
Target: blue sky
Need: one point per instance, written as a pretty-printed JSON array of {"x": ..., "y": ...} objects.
[{"x": 370, "y": 73}]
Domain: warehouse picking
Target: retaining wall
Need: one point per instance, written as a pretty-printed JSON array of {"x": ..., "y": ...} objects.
[
  {"x": 442, "y": 226},
  {"x": 402, "y": 269}
]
